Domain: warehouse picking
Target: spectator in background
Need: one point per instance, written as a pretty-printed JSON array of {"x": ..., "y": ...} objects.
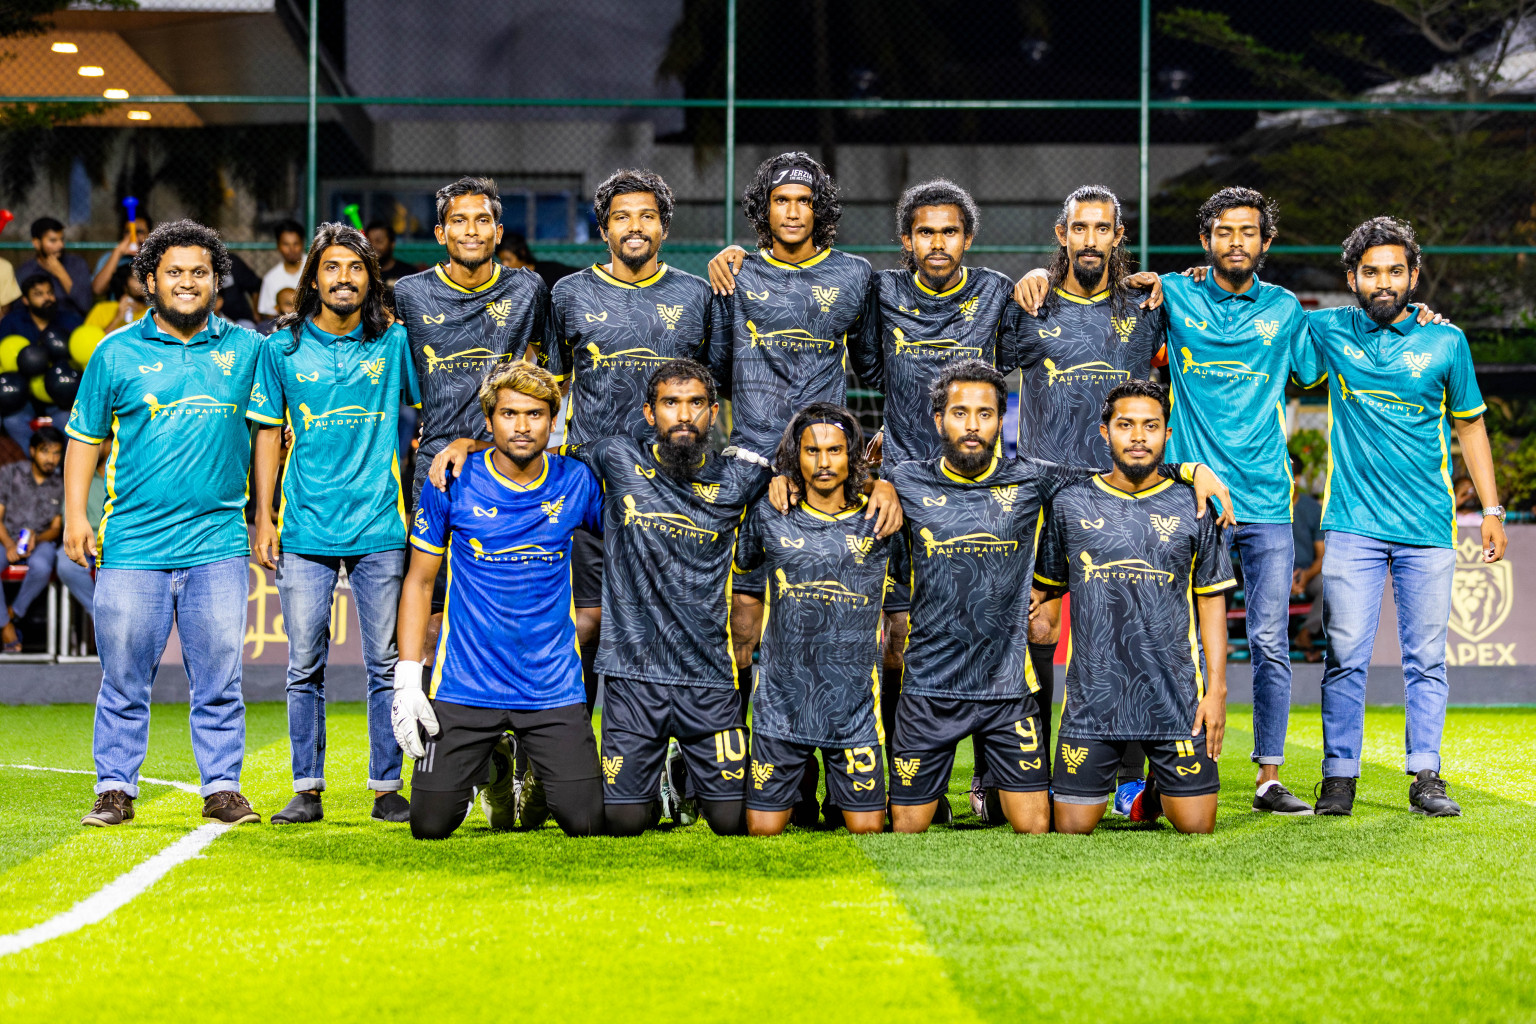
[
  {"x": 40, "y": 317},
  {"x": 71, "y": 274},
  {"x": 125, "y": 302},
  {"x": 121, "y": 255},
  {"x": 1307, "y": 577},
  {"x": 513, "y": 253},
  {"x": 239, "y": 289},
  {"x": 287, "y": 302},
  {"x": 10, "y": 291},
  {"x": 285, "y": 273},
  {"x": 381, "y": 235},
  {"x": 32, "y": 498}
]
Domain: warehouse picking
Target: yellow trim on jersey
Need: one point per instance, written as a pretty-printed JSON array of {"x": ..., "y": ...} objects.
[
  {"x": 991, "y": 468},
  {"x": 965, "y": 272},
  {"x": 1049, "y": 583},
  {"x": 1030, "y": 679},
  {"x": 1194, "y": 648},
  {"x": 261, "y": 417},
  {"x": 394, "y": 469},
  {"x": 1079, "y": 299},
  {"x": 874, "y": 675},
  {"x": 111, "y": 481},
  {"x": 442, "y": 276},
  {"x": 1290, "y": 475},
  {"x": 282, "y": 496},
  {"x": 69, "y": 428},
  {"x": 1328, "y": 475},
  {"x": 1445, "y": 464},
  {"x": 490, "y": 464},
  {"x": 1109, "y": 488},
  {"x": 607, "y": 278},
  {"x": 442, "y": 634},
  {"x": 1467, "y": 414},
  {"x": 768, "y": 257},
  {"x": 421, "y": 545},
  {"x": 844, "y": 514},
  {"x": 1216, "y": 588}
]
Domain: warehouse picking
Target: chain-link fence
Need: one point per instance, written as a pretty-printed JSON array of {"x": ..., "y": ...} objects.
[{"x": 249, "y": 113}]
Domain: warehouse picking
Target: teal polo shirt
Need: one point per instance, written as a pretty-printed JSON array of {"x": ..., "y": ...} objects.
[
  {"x": 1229, "y": 357},
  {"x": 341, "y": 395},
  {"x": 1390, "y": 392},
  {"x": 181, "y": 449}
]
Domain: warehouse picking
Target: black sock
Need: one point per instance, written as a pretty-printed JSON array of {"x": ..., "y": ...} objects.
[
  {"x": 589, "y": 677},
  {"x": 1043, "y": 658},
  {"x": 725, "y": 817},
  {"x": 1132, "y": 764},
  {"x": 631, "y": 819},
  {"x": 577, "y": 805},
  {"x": 890, "y": 696}
]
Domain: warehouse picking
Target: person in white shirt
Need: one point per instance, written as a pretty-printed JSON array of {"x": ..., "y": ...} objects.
[{"x": 285, "y": 273}]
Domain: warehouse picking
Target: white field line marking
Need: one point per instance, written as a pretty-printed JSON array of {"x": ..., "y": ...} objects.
[
  {"x": 185, "y": 787},
  {"x": 100, "y": 904}
]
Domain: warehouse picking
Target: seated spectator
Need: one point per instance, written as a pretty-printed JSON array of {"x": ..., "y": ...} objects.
[
  {"x": 287, "y": 302},
  {"x": 285, "y": 273},
  {"x": 40, "y": 317},
  {"x": 513, "y": 253},
  {"x": 71, "y": 275},
  {"x": 125, "y": 302},
  {"x": 381, "y": 235},
  {"x": 32, "y": 499},
  {"x": 218, "y": 309},
  {"x": 121, "y": 255},
  {"x": 239, "y": 289},
  {"x": 1307, "y": 577}
]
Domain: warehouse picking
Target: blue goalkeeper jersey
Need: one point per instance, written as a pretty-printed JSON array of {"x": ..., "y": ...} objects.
[{"x": 509, "y": 634}]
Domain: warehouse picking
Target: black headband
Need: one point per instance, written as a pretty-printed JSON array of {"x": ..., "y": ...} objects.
[{"x": 797, "y": 172}]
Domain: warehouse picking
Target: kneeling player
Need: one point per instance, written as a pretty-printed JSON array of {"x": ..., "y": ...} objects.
[
  {"x": 818, "y": 683},
  {"x": 507, "y": 657},
  {"x": 1137, "y": 560}
]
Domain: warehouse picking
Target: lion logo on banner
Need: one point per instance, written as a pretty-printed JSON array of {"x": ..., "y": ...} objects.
[{"x": 1482, "y": 594}]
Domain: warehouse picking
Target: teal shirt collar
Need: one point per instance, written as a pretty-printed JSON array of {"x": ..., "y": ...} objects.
[
  {"x": 1402, "y": 328},
  {"x": 325, "y": 337},
  {"x": 1220, "y": 294},
  {"x": 150, "y": 331}
]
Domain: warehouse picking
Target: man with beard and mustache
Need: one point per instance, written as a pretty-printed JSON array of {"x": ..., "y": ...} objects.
[
  {"x": 335, "y": 372},
  {"x": 1388, "y": 505},
  {"x": 1138, "y": 559},
  {"x": 171, "y": 389},
  {"x": 615, "y": 323},
  {"x": 972, "y": 518},
  {"x": 507, "y": 657}
]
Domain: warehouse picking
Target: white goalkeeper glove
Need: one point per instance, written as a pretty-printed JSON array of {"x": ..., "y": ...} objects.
[{"x": 411, "y": 710}]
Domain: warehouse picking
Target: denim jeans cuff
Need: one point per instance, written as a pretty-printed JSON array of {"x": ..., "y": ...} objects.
[
  {"x": 1341, "y": 767},
  {"x": 1416, "y": 763},
  {"x": 386, "y": 785},
  {"x": 219, "y": 787},
  {"x": 1268, "y": 758},
  {"x": 126, "y": 787},
  {"x": 305, "y": 785}
]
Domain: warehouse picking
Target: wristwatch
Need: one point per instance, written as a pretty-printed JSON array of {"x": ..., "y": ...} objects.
[{"x": 1495, "y": 510}]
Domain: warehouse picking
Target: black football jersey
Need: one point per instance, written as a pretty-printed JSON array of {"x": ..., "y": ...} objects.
[
  {"x": 920, "y": 330},
  {"x": 612, "y": 336},
  {"x": 1071, "y": 356},
  {"x": 1133, "y": 564},
  {"x": 972, "y": 545},
  {"x": 818, "y": 677},
  {"x": 456, "y": 336},
  {"x": 783, "y": 339},
  {"x": 667, "y": 547}
]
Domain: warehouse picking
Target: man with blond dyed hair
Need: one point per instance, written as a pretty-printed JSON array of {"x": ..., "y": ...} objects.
[{"x": 507, "y": 657}]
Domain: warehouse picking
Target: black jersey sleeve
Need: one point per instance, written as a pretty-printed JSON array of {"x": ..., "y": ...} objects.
[
  {"x": 562, "y": 359},
  {"x": 899, "y": 567},
  {"x": 864, "y": 345},
  {"x": 541, "y": 332},
  {"x": 719, "y": 348},
  {"x": 749, "y": 537},
  {"x": 1213, "y": 559},
  {"x": 1051, "y": 557},
  {"x": 1012, "y": 336}
]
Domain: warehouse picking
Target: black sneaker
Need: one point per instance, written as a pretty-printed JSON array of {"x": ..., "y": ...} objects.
[
  {"x": 1279, "y": 800},
  {"x": 943, "y": 814},
  {"x": 113, "y": 807},
  {"x": 301, "y": 810},
  {"x": 532, "y": 802},
  {"x": 1426, "y": 795},
  {"x": 1337, "y": 796},
  {"x": 390, "y": 807}
]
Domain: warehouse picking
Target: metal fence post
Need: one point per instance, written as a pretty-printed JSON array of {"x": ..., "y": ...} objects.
[
  {"x": 1144, "y": 143},
  {"x": 311, "y": 182},
  {"x": 730, "y": 120}
]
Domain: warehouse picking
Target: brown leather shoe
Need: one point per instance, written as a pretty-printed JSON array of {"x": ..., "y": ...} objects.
[
  {"x": 229, "y": 807},
  {"x": 112, "y": 807}
]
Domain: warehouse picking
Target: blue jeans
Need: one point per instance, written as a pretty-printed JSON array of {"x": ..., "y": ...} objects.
[
  {"x": 305, "y": 585},
  {"x": 1354, "y": 575},
  {"x": 134, "y": 610},
  {"x": 43, "y": 561},
  {"x": 1267, "y": 554}
]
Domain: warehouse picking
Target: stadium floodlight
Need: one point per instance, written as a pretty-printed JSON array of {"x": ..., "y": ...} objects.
[
  {"x": 65, "y": 48},
  {"x": 91, "y": 71}
]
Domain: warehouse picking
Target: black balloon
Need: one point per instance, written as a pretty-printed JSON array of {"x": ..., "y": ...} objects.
[
  {"x": 56, "y": 347},
  {"x": 62, "y": 383},
  {"x": 13, "y": 393},
  {"x": 33, "y": 360}
]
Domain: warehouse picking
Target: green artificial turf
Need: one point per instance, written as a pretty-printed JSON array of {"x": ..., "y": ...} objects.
[{"x": 1383, "y": 916}]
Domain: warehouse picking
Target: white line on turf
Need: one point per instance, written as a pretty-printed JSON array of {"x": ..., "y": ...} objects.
[
  {"x": 100, "y": 904},
  {"x": 185, "y": 787}
]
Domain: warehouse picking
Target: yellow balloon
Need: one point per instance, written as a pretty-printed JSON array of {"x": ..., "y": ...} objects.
[
  {"x": 40, "y": 389},
  {"x": 9, "y": 347},
  {"x": 82, "y": 342}
]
